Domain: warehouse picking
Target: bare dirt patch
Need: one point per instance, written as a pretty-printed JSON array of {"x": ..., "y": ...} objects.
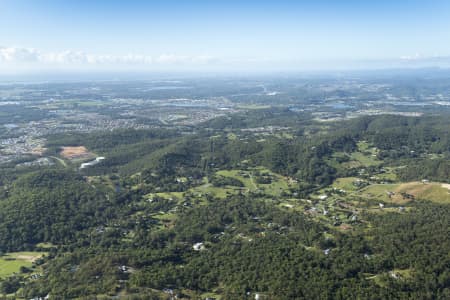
[
  {"x": 345, "y": 227},
  {"x": 75, "y": 152},
  {"x": 30, "y": 258},
  {"x": 446, "y": 186}
]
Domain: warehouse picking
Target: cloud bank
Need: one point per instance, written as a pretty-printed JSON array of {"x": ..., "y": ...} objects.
[
  {"x": 20, "y": 59},
  {"x": 17, "y": 55}
]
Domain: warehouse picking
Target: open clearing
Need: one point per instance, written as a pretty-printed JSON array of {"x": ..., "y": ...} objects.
[
  {"x": 446, "y": 186},
  {"x": 275, "y": 188},
  {"x": 345, "y": 183},
  {"x": 278, "y": 184},
  {"x": 436, "y": 192},
  {"x": 365, "y": 155},
  {"x": 378, "y": 191},
  {"x": 365, "y": 160},
  {"x": 70, "y": 152},
  {"x": 10, "y": 263}
]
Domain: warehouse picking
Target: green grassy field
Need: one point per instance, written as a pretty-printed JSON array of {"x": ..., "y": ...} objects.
[
  {"x": 45, "y": 245},
  {"x": 388, "y": 176},
  {"x": 247, "y": 180},
  {"x": 378, "y": 191},
  {"x": 276, "y": 188},
  {"x": 345, "y": 183},
  {"x": 435, "y": 192},
  {"x": 219, "y": 192},
  {"x": 363, "y": 146},
  {"x": 364, "y": 157},
  {"x": 278, "y": 185},
  {"x": 167, "y": 195},
  {"x": 10, "y": 263},
  {"x": 365, "y": 160}
]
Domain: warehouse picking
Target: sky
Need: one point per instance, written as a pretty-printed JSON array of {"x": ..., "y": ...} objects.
[{"x": 171, "y": 35}]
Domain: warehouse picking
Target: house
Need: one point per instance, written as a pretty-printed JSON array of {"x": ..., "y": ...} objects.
[
  {"x": 393, "y": 275},
  {"x": 123, "y": 268},
  {"x": 198, "y": 247},
  {"x": 381, "y": 205},
  {"x": 390, "y": 194},
  {"x": 35, "y": 276},
  {"x": 259, "y": 296}
]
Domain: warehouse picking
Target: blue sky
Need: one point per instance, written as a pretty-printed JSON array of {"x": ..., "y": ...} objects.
[{"x": 209, "y": 35}]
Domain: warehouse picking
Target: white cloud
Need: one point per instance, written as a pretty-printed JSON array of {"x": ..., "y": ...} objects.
[
  {"x": 14, "y": 59},
  {"x": 419, "y": 61},
  {"x": 181, "y": 59},
  {"x": 416, "y": 56},
  {"x": 65, "y": 57},
  {"x": 13, "y": 54},
  {"x": 17, "y": 55}
]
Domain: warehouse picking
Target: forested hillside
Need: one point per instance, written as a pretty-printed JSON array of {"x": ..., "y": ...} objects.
[{"x": 266, "y": 204}]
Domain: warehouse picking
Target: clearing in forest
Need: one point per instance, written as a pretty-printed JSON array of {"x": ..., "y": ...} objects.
[
  {"x": 75, "y": 152},
  {"x": 401, "y": 193},
  {"x": 436, "y": 192},
  {"x": 11, "y": 263}
]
